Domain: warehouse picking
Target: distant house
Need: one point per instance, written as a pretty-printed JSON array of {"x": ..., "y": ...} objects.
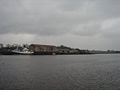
[
  {"x": 43, "y": 49},
  {"x": 63, "y": 49},
  {"x": 1, "y": 45},
  {"x": 74, "y": 51}
]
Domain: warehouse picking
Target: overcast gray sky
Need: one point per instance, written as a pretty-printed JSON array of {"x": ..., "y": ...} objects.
[{"x": 86, "y": 24}]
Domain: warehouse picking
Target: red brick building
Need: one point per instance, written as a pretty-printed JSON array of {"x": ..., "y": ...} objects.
[{"x": 43, "y": 48}]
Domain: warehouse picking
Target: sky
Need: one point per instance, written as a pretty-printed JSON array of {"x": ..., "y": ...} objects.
[{"x": 84, "y": 24}]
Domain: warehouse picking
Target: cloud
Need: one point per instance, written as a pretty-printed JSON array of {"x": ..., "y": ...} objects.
[
  {"x": 111, "y": 28},
  {"x": 50, "y": 17},
  {"x": 89, "y": 29},
  {"x": 57, "y": 18},
  {"x": 17, "y": 38}
]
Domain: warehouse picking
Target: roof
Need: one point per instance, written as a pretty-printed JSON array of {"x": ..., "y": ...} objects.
[{"x": 42, "y": 45}]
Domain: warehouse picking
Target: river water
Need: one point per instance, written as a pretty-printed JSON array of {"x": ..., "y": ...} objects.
[{"x": 75, "y": 72}]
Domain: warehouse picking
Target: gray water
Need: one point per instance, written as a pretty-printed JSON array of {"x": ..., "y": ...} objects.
[{"x": 82, "y": 72}]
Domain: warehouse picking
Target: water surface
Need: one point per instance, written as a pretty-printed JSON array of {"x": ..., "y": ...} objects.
[{"x": 79, "y": 72}]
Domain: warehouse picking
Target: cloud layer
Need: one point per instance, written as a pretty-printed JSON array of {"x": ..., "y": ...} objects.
[{"x": 56, "y": 18}]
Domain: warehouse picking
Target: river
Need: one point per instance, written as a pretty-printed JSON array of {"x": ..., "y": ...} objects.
[{"x": 60, "y": 72}]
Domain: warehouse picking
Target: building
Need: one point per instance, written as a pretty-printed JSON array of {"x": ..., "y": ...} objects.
[
  {"x": 43, "y": 49},
  {"x": 74, "y": 51},
  {"x": 63, "y": 49},
  {"x": 1, "y": 45}
]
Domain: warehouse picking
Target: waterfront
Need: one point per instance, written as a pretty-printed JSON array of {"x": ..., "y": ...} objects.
[{"x": 64, "y": 72}]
